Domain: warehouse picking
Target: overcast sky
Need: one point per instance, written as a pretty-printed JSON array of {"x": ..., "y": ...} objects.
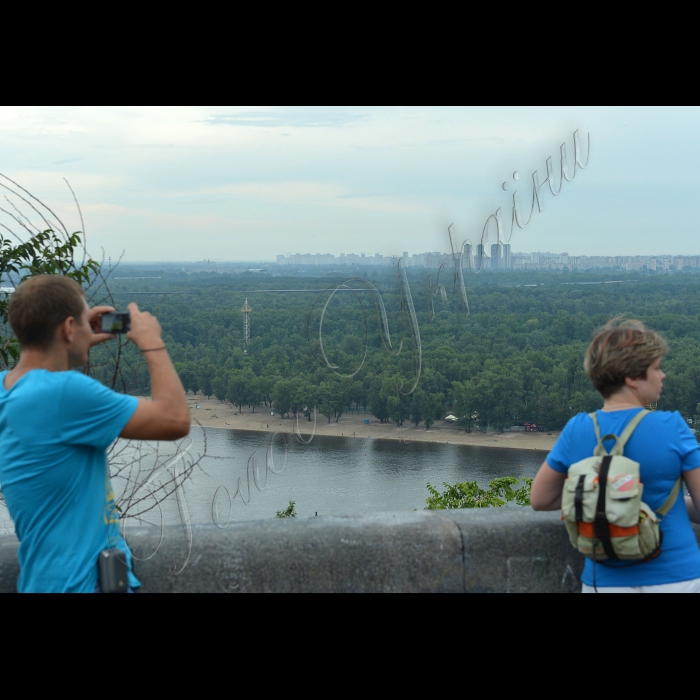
[{"x": 248, "y": 183}]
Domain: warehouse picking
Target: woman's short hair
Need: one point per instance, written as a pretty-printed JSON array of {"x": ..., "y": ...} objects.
[
  {"x": 621, "y": 349},
  {"x": 40, "y": 305}
]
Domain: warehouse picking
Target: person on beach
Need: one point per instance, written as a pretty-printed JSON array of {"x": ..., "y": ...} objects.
[
  {"x": 623, "y": 363},
  {"x": 56, "y": 426}
]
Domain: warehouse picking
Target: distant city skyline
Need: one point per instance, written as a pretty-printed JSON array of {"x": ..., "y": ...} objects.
[
  {"x": 500, "y": 257},
  {"x": 239, "y": 183}
]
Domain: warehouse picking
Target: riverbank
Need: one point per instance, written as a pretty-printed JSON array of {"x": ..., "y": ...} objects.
[{"x": 212, "y": 413}]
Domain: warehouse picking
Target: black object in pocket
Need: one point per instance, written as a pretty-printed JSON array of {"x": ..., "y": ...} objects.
[{"x": 113, "y": 573}]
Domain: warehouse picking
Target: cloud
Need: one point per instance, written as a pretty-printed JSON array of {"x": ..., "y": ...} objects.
[
  {"x": 300, "y": 119},
  {"x": 318, "y": 194}
]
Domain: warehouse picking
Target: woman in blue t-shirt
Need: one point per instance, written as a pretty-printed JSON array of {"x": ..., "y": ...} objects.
[{"x": 623, "y": 362}]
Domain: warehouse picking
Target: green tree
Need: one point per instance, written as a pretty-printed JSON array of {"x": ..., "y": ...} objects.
[
  {"x": 43, "y": 253},
  {"x": 207, "y": 373},
  {"x": 327, "y": 400},
  {"x": 433, "y": 406},
  {"x": 281, "y": 396},
  {"x": 188, "y": 377},
  {"x": 288, "y": 512},
  {"x": 266, "y": 382},
  {"x": 378, "y": 404},
  {"x": 220, "y": 384},
  {"x": 417, "y": 399},
  {"x": 466, "y": 402},
  {"x": 398, "y": 405},
  {"x": 358, "y": 394},
  {"x": 301, "y": 395},
  {"x": 468, "y": 494},
  {"x": 255, "y": 392},
  {"x": 238, "y": 387}
]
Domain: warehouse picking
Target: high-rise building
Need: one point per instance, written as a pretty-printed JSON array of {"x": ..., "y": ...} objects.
[
  {"x": 467, "y": 256},
  {"x": 495, "y": 256},
  {"x": 479, "y": 262},
  {"x": 507, "y": 259}
]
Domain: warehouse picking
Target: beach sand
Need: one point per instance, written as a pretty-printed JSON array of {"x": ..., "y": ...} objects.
[{"x": 212, "y": 413}]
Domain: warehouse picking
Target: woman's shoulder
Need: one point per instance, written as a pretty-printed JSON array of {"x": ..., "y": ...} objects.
[
  {"x": 579, "y": 420},
  {"x": 576, "y": 427},
  {"x": 659, "y": 419},
  {"x": 665, "y": 418},
  {"x": 654, "y": 415}
]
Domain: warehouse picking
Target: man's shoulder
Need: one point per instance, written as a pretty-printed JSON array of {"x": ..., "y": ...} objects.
[
  {"x": 79, "y": 379},
  {"x": 69, "y": 387},
  {"x": 80, "y": 385},
  {"x": 42, "y": 380}
]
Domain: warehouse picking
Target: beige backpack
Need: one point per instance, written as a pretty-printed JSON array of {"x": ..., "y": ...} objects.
[{"x": 611, "y": 521}]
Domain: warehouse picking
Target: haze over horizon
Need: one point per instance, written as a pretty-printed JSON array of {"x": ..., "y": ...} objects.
[{"x": 249, "y": 183}]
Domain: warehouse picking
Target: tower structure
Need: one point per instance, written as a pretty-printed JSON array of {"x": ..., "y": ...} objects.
[
  {"x": 495, "y": 256},
  {"x": 479, "y": 256},
  {"x": 467, "y": 256},
  {"x": 246, "y": 309},
  {"x": 507, "y": 259}
]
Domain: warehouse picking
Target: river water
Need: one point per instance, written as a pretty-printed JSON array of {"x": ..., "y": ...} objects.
[{"x": 329, "y": 476}]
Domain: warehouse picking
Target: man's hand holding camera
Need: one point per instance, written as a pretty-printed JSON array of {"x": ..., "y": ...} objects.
[
  {"x": 95, "y": 320},
  {"x": 140, "y": 327},
  {"x": 166, "y": 416},
  {"x": 145, "y": 332}
]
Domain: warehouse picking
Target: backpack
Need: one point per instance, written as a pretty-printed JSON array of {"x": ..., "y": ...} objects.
[{"x": 612, "y": 522}]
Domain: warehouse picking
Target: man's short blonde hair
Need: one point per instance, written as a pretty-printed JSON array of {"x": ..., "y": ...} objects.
[{"x": 621, "y": 349}]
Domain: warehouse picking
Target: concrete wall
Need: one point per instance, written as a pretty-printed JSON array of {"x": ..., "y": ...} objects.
[{"x": 513, "y": 550}]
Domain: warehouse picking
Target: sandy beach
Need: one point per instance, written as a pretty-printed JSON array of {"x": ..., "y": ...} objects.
[{"x": 212, "y": 413}]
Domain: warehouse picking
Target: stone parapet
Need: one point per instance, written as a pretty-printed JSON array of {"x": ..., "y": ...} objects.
[{"x": 505, "y": 550}]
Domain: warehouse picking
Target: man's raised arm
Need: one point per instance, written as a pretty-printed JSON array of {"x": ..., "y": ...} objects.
[{"x": 166, "y": 416}]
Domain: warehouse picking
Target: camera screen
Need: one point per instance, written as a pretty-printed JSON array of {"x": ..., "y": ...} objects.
[{"x": 114, "y": 323}]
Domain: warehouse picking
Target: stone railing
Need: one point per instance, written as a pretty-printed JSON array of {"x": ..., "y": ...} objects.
[
  {"x": 511, "y": 549},
  {"x": 494, "y": 550}
]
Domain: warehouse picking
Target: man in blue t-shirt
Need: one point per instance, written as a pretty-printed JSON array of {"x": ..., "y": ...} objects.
[{"x": 56, "y": 426}]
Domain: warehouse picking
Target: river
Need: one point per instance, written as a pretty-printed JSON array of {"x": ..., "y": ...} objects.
[{"x": 329, "y": 476}]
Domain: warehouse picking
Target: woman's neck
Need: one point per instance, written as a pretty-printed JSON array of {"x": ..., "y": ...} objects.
[{"x": 622, "y": 400}]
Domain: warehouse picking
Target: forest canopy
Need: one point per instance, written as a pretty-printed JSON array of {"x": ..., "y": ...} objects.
[{"x": 516, "y": 358}]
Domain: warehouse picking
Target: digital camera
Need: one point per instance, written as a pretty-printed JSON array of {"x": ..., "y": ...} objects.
[{"x": 114, "y": 322}]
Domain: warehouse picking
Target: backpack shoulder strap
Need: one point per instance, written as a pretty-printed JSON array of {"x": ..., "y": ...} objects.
[
  {"x": 668, "y": 503},
  {"x": 621, "y": 441},
  {"x": 600, "y": 450},
  {"x": 627, "y": 432},
  {"x": 594, "y": 417}
]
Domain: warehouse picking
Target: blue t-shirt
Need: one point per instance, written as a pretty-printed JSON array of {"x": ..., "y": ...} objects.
[
  {"x": 664, "y": 447},
  {"x": 55, "y": 428}
]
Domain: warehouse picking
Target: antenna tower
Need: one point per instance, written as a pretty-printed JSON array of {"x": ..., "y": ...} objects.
[{"x": 246, "y": 309}]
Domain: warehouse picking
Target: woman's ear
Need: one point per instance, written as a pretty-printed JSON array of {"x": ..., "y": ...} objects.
[{"x": 631, "y": 383}]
